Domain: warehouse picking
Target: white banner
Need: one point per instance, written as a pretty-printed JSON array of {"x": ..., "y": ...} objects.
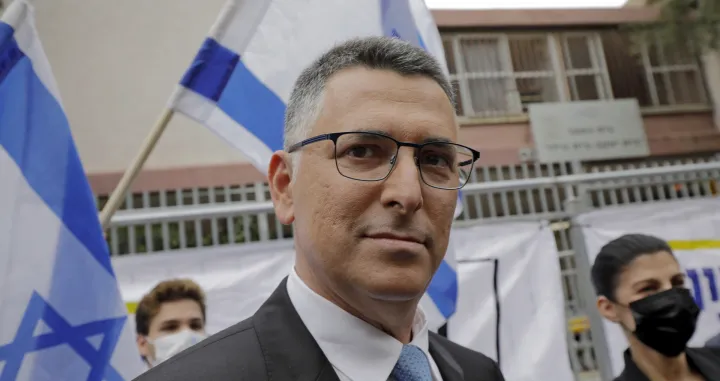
[
  {"x": 236, "y": 279},
  {"x": 510, "y": 271},
  {"x": 692, "y": 227}
]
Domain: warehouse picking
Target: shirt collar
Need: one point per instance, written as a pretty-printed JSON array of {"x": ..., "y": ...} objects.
[
  {"x": 633, "y": 372},
  {"x": 349, "y": 343}
]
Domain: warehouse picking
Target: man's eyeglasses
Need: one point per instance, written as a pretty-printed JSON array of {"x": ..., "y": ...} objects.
[{"x": 369, "y": 156}]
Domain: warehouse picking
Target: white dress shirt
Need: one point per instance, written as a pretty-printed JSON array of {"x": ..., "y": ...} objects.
[{"x": 356, "y": 350}]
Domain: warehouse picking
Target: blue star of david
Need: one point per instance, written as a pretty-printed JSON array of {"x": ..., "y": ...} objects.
[{"x": 62, "y": 333}]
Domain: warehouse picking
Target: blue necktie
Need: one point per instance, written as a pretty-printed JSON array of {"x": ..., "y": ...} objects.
[{"x": 413, "y": 365}]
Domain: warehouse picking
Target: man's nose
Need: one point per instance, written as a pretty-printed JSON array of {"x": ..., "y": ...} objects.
[{"x": 403, "y": 187}]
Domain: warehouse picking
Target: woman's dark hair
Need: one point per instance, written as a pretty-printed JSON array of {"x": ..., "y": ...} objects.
[{"x": 618, "y": 254}]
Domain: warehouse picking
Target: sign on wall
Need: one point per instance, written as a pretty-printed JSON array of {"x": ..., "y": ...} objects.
[
  {"x": 588, "y": 130},
  {"x": 692, "y": 228}
]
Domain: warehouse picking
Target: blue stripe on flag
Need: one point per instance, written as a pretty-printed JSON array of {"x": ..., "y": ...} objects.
[
  {"x": 254, "y": 106},
  {"x": 6, "y": 32},
  {"x": 397, "y": 21},
  {"x": 36, "y": 134},
  {"x": 211, "y": 70},
  {"x": 443, "y": 289},
  {"x": 218, "y": 74},
  {"x": 10, "y": 53}
]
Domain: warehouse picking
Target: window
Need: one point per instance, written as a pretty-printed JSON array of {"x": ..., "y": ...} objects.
[
  {"x": 625, "y": 69},
  {"x": 673, "y": 77},
  {"x": 533, "y": 69},
  {"x": 499, "y": 75},
  {"x": 585, "y": 67},
  {"x": 654, "y": 77}
]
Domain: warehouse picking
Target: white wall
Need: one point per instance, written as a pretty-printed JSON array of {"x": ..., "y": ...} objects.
[{"x": 116, "y": 63}]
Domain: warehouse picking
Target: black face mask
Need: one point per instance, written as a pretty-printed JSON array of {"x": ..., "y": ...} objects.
[{"x": 666, "y": 321}]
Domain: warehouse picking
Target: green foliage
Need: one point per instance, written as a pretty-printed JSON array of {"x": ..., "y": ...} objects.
[{"x": 689, "y": 26}]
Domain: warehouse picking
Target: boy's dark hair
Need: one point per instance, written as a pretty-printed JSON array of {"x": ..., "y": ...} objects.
[{"x": 166, "y": 291}]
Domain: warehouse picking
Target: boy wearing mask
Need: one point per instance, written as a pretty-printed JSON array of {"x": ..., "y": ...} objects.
[{"x": 170, "y": 319}]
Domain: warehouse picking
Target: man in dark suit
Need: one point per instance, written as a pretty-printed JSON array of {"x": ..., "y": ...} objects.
[{"x": 369, "y": 177}]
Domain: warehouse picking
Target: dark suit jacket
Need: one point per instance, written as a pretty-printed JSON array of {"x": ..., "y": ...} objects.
[
  {"x": 275, "y": 345},
  {"x": 705, "y": 360}
]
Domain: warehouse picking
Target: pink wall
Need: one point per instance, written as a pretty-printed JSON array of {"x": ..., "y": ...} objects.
[
  {"x": 514, "y": 18},
  {"x": 667, "y": 135},
  {"x": 499, "y": 144}
]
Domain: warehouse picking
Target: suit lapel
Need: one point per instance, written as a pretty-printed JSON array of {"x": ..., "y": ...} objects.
[
  {"x": 291, "y": 353},
  {"x": 449, "y": 368},
  {"x": 708, "y": 366}
]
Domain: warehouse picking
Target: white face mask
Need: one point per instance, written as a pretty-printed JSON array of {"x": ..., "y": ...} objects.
[{"x": 170, "y": 345}]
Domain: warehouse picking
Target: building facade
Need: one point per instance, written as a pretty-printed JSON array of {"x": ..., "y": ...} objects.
[
  {"x": 502, "y": 61},
  {"x": 118, "y": 62}
]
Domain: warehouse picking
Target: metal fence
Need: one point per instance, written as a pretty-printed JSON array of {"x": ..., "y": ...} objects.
[{"x": 236, "y": 214}]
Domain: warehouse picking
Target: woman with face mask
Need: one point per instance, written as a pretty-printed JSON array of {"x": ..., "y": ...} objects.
[{"x": 641, "y": 287}]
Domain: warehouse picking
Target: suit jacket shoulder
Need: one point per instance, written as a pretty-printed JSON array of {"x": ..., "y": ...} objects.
[
  {"x": 704, "y": 360},
  {"x": 712, "y": 352},
  {"x": 275, "y": 344},
  {"x": 474, "y": 365},
  {"x": 713, "y": 342},
  {"x": 232, "y": 354}
]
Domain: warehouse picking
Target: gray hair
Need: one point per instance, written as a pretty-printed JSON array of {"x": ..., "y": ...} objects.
[{"x": 386, "y": 53}]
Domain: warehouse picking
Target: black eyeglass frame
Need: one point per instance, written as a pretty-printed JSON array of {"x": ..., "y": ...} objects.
[{"x": 417, "y": 146}]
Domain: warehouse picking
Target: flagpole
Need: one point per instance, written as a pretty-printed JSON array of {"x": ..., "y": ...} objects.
[{"x": 118, "y": 194}]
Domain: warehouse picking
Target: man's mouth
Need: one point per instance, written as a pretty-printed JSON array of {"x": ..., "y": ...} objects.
[{"x": 398, "y": 238}]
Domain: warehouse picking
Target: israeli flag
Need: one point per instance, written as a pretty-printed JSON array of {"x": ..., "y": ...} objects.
[
  {"x": 61, "y": 314},
  {"x": 242, "y": 77}
]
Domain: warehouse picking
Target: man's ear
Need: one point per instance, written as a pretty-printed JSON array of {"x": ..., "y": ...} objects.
[
  {"x": 607, "y": 309},
  {"x": 279, "y": 180}
]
